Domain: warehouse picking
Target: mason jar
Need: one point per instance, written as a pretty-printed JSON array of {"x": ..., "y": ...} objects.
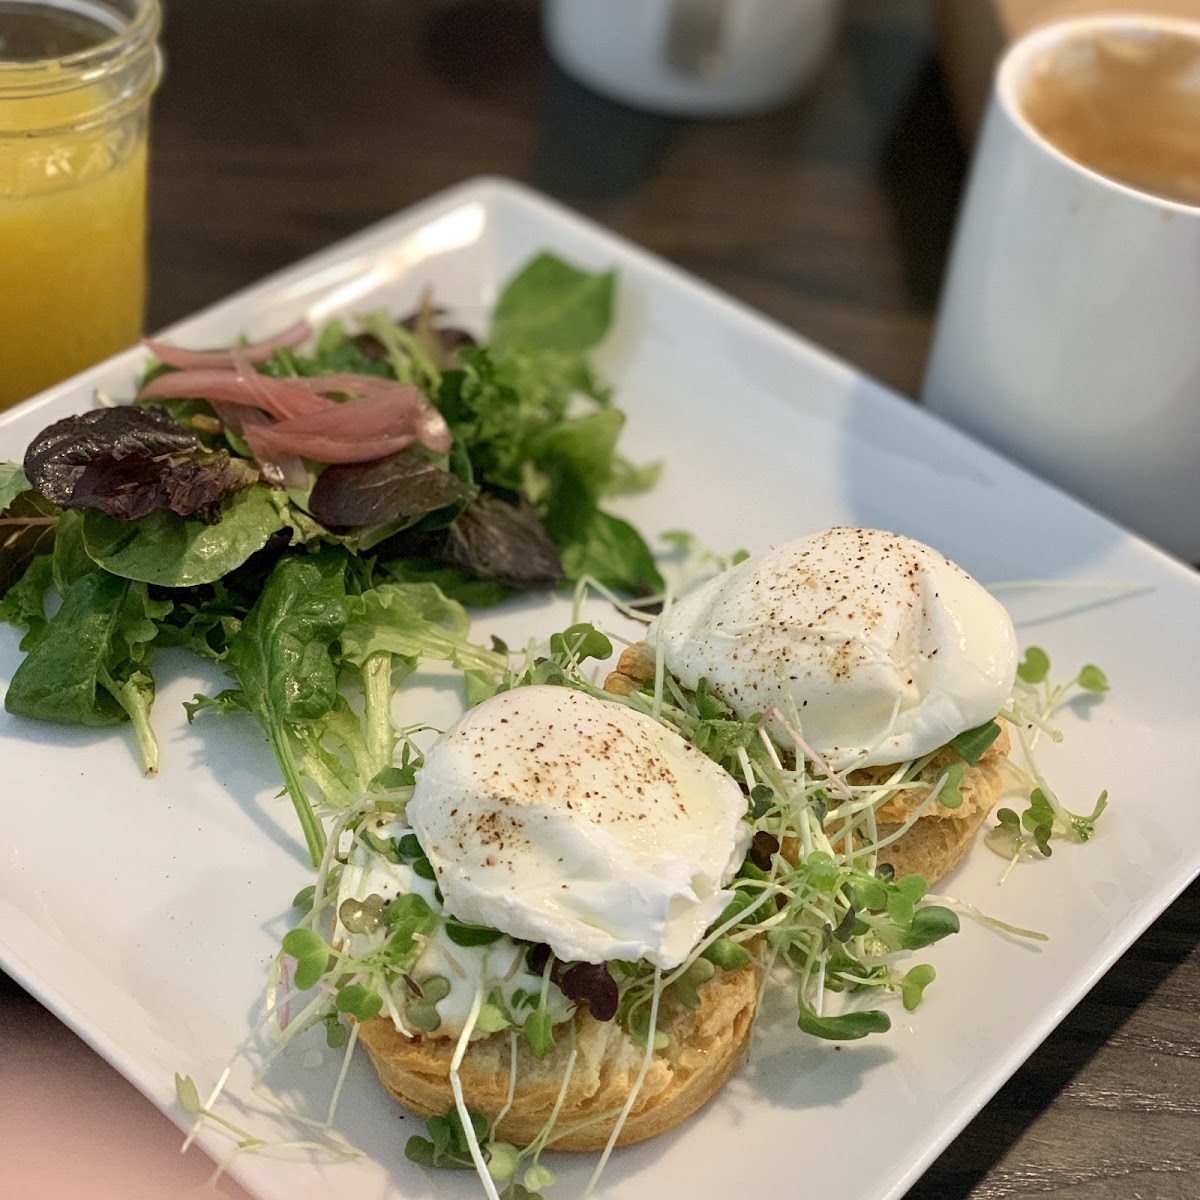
[{"x": 76, "y": 77}]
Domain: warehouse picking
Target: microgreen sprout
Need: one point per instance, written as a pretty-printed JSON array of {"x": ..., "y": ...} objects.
[
  {"x": 1028, "y": 833},
  {"x": 815, "y": 903}
]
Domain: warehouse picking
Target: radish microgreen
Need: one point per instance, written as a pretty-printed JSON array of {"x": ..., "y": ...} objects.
[
  {"x": 446, "y": 1146},
  {"x": 812, "y": 906},
  {"x": 1028, "y": 833},
  {"x": 913, "y": 983}
]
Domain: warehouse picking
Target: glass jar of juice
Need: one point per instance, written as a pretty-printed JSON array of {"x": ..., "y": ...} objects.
[{"x": 76, "y": 78}]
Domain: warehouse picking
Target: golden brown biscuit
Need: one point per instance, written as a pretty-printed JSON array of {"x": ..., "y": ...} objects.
[
  {"x": 941, "y": 837},
  {"x": 705, "y": 1046}
]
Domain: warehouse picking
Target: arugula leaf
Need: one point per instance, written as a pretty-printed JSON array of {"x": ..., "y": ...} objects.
[
  {"x": 552, "y": 305},
  {"x": 70, "y": 556},
  {"x": 89, "y": 665},
  {"x": 282, "y": 659}
]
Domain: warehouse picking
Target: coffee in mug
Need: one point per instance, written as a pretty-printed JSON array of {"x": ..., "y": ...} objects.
[{"x": 1124, "y": 102}]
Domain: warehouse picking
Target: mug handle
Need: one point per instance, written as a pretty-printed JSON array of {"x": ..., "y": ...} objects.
[{"x": 695, "y": 36}]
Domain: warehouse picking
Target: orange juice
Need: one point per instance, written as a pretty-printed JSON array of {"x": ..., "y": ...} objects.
[{"x": 72, "y": 208}]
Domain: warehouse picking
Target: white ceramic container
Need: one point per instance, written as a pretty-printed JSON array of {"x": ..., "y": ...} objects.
[{"x": 1069, "y": 330}]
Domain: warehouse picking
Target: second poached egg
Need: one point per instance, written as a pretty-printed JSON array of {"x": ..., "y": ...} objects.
[{"x": 887, "y": 649}]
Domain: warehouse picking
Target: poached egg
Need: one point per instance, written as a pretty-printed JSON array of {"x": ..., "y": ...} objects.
[
  {"x": 886, "y": 649},
  {"x": 556, "y": 817}
]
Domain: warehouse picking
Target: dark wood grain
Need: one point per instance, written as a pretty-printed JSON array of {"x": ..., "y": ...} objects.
[{"x": 284, "y": 126}]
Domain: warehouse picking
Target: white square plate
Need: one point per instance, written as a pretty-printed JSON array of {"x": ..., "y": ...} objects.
[{"x": 145, "y": 911}]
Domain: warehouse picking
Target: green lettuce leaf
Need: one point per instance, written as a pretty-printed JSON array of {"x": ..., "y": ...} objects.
[
  {"x": 175, "y": 551},
  {"x": 551, "y": 305}
]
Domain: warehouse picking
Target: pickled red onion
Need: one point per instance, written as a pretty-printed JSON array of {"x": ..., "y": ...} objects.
[
  {"x": 359, "y": 430},
  {"x": 255, "y": 352},
  {"x": 282, "y": 398}
]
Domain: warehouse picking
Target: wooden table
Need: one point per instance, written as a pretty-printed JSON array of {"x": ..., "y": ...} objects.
[{"x": 283, "y": 126}]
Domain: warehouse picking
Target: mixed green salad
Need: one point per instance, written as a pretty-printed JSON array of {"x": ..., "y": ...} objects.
[{"x": 316, "y": 576}]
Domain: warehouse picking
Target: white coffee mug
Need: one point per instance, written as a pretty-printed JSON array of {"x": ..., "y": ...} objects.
[
  {"x": 692, "y": 57},
  {"x": 1069, "y": 329}
]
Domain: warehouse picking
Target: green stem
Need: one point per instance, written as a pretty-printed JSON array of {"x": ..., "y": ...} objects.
[
  {"x": 314, "y": 832},
  {"x": 137, "y": 708},
  {"x": 377, "y": 715}
]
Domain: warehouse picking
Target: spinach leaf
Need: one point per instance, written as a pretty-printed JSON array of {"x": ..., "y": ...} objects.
[
  {"x": 70, "y": 558},
  {"x": 175, "y": 551},
  {"x": 593, "y": 542},
  {"x": 24, "y": 604},
  {"x": 281, "y": 654},
  {"x": 552, "y": 305},
  {"x": 282, "y": 658},
  {"x": 89, "y": 665}
]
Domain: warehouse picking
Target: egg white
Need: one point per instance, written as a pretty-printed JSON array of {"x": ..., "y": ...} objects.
[
  {"x": 557, "y": 817},
  {"x": 882, "y": 648}
]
